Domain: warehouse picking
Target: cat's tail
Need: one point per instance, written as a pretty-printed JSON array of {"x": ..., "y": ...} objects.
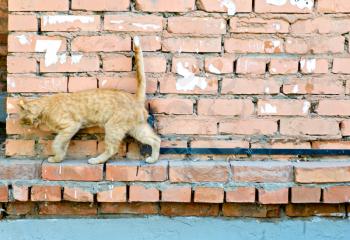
[{"x": 140, "y": 71}]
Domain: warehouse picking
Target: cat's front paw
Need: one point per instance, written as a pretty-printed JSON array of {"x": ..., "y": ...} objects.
[
  {"x": 95, "y": 161},
  {"x": 151, "y": 160},
  {"x": 54, "y": 159}
]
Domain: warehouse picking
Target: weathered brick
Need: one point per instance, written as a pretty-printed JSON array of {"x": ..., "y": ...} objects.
[
  {"x": 186, "y": 44},
  {"x": 75, "y": 194},
  {"x": 341, "y": 65},
  {"x": 76, "y": 84},
  {"x": 139, "y": 193},
  {"x": 189, "y": 209},
  {"x": 250, "y": 210},
  {"x": 283, "y": 66},
  {"x": 197, "y": 25},
  {"x": 320, "y": 210},
  {"x": 38, "y": 5},
  {"x": 136, "y": 171},
  {"x": 21, "y": 208},
  {"x": 19, "y": 147},
  {"x": 229, "y": 7},
  {"x": 219, "y": 65},
  {"x": 20, "y": 169},
  {"x": 117, "y": 63},
  {"x": 302, "y": 194},
  {"x": 29, "y": 42},
  {"x": 41, "y": 193},
  {"x": 241, "y": 195},
  {"x": 322, "y": 25},
  {"x": 237, "y": 45},
  {"x": 155, "y": 64},
  {"x": 176, "y": 194},
  {"x": 313, "y": 65},
  {"x": 67, "y": 209},
  {"x": 225, "y": 107},
  {"x": 4, "y": 193},
  {"x": 113, "y": 194},
  {"x": 17, "y": 83},
  {"x": 165, "y": 6},
  {"x": 208, "y": 195},
  {"x": 336, "y": 194},
  {"x": 70, "y": 23},
  {"x": 315, "y": 45},
  {"x": 102, "y": 5},
  {"x": 28, "y": 23},
  {"x": 219, "y": 144},
  {"x": 20, "y": 193},
  {"x": 182, "y": 171},
  {"x": 248, "y": 127},
  {"x": 263, "y": 6},
  {"x": 258, "y": 25},
  {"x": 321, "y": 85},
  {"x": 133, "y": 23},
  {"x": 335, "y": 6},
  {"x": 322, "y": 172},
  {"x": 126, "y": 83},
  {"x": 21, "y": 64},
  {"x": 283, "y": 107},
  {"x": 75, "y": 170},
  {"x": 278, "y": 196},
  {"x": 328, "y": 107},
  {"x": 249, "y": 86},
  {"x": 304, "y": 126},
  {"x": 248, "y": 65},
  {"x": 104, "y": 43},
  {"x": 171, "y": 105},
  {"x": 129, "y": 208},
  {"x": 257, "y": 172}
]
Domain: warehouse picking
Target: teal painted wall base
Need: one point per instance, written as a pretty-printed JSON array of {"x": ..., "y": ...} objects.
[{"x": 181, "y": 228}]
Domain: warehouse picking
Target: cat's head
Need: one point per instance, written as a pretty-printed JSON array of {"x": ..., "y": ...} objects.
[{"x": 29, "y": 112}]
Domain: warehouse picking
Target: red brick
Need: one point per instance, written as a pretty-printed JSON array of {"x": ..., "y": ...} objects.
[
  {"x": 333, "y": 107},
  {"x": 345, "y": 127},
  {"x": 192, "y": 64},
  {"x": 219, "y": 65},
  {"x": 41, "y": 193},
  {"x": 283, "y": 107},
  {"x": 70, "y": 23},
  {"x": 19, "y": 147},
  {"x": 319, "y": 210},
  {"x": 67, "y": 209},
  {"x": 217, "y": 6},
  {"x": 249, "y": 86},
  {"x": 85, "y": 64},
  {"x": 113, "y": 194},
  {"x": 257, "y": 172},
  {"x": 335, "y": 6},
  {"x": 133, "y": 23},
  {"x": 321, "y": 85},
  {"x": 248, "y": 127},
  {"x": 136, "y": 171},
  {"x": 75, "y": 170},
  {"x": 171, "y": 105},
  {"x": 258, "y": 25},
  {"x": 76, "y": 149},
  {"x": 126, "y": 83},
  {"x": 314, "y": 65},
  {"x": 284, "y": 145},
  {"x": 165, "y": 6},
  {"x": 241, "y": 195},
  {"x": 76, "y": 84},
  {"x": 279, "y": 196},
  {"x": 194, "y": 45},
  {"x": 189, "y": 209},
  {"x": 20, "y": 193},
  {"x": 251, "y": 65},
  {"x": 139, "y": 193},
  {"x": 22, "y": 23},
  {"x": 283, "y": 66},
  {"x": 315, "y": 45},
  {"x": 263, "y": 6},
  {"x": 323, "y": 25},
  {"x": 296, "y": 45},
  {"x": 17, "y": 83},
  {"x": 197, "y": 25},
  {"x": 21, "y": 208},
  {"x": 150, "y": 43},
  {"x": 186, "y": 125},
  {"x": 103, "y": 5},
  {"x": 38, "y": 5},
  {"x": 331, "y": 144},
  {"x": 29, "y": 42},
  {"x": 336, "y": 194},
  {"x": 20, "y": 169},
  {"x": 225, "y": 107},
  {"x": 155, "y": 64},
  {"x": 341, "y": 65},
  {"x": 250, "y": 210},
  {"x": 182, "y": 171},
  {"x": 237, "y": 45},
  {"x": 208, "y": 195},
  {"x": 129, "y": 208},
  {"x": 21, "y": 64},
  {"x": 219, "y": 144},
  {"x": 13, "y": 126},
  {"x": 176, "y": 194},
  {"x": 322, "y": 172},
  {"x": 304, "y": 126},
  {"x": 117, "y": 63},
  {"x": 104, "y": 43},
  {"x": 305, "y": 195},
  {"x": 77, "y": 195},
  {"x": 4, "y": 193}
]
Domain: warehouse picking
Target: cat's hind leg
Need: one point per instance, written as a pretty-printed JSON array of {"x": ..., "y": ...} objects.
[
  {"x": 145, "y": 134},
  {"x": 61, "y": 142},
  {"x": 113, "y": 138}
]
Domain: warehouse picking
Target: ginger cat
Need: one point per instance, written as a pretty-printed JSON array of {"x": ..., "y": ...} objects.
[{"x": 118, "y": 112}]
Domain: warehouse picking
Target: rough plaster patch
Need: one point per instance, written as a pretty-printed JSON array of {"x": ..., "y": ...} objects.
[
  {"x": 188, "y": 81},
  {"x": 146, "y": 26},
  {"x": 306, "y": 106},
  {"x": 310, "y": 64},
  {"x": 23, "y": 39},
  {"x": 213, "y": 69},
  {"x": 268, "y": 108},
  {"x": 51, "y": 48},
  {"x": 57, "y": 19},
  {"x": 231, "y": 7},
  {"x": 76, "y": 58}
]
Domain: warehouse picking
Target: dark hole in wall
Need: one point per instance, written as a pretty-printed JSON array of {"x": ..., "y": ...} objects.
[{"x": 3, "y": 71}]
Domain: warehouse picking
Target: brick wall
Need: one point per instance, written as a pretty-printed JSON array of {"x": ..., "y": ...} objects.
[
  {"x": 3, "y": 43},
  {"x": 226, "y": 74}
]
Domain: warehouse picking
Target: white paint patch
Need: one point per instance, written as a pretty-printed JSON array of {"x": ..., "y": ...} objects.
[
  {"x": 60, "y": 170},
  {"x": 276, "y": 26},
  {"x": 104, "y": 82},
  {"x": 268, "y": 108},
  {"x": 51, "y": 48},
  {"x": 63, "y": 58},
  {"x": 303, "y": 3},
  {"x": 146, "y": 26},
  {"x": 75, "y": 194},
  {"x": 58, "y": 19},
  {"x": 295, "y": 89},
  {"x": 213, "y": 69},
  {"x": 76, "y": 58},
  {"x": 117, "y": 21},
  {"x": 306, "y": 107},
  {"x": 276, "y": 43},
  {"x": 310, "y": 65},
  {"x": 23, "y": 39},
  {"x": 231, "y": 6},
  {"x": 137, "y": 41},
  {"x": 267, "y": 90},
  {"x": 188, "y": 81},
  {"x": 276, "y": 2}
]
